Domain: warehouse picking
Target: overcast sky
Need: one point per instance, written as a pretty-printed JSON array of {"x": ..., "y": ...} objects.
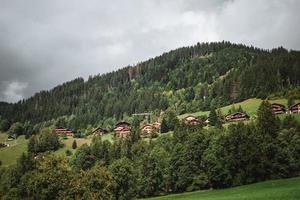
[{"x": 45, "y": 43}]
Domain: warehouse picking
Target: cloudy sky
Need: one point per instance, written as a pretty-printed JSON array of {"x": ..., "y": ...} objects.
[{"x": 45, "y": 43}]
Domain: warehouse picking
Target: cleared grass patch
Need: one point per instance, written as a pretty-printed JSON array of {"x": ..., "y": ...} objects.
[
  {"x": 270, "y": 190},
  {"x": 250, "y": 106},
  {"x": 9, "y": 155}
]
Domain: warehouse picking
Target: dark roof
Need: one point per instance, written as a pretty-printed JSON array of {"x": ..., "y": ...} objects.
[
  {"x": 278, "y": 104},
  {"x": 235, "y": 113},
  {"x": 101, "y": 129},
  {"x": 120, "y": 123},
  {"x": 296, "y": 104}
]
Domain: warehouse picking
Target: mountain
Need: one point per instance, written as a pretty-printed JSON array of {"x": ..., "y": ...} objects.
[{"x": 187, "y": 79}]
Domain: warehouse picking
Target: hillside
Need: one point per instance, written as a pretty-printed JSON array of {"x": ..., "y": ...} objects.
[
  {"x": 187, "y": 79},
  {"x": 269, "y": 190},
  {"x": 250, "y": 106}
]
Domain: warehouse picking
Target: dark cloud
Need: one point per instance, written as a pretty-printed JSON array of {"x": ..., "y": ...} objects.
[{"x": 44, "y": 43}]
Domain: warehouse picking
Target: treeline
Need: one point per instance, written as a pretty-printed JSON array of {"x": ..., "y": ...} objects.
[
  {"x": 192, "y": 158},
  {"x": 200, "y": 77}
]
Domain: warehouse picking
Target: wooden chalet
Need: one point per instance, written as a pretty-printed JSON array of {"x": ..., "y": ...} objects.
[
  {"x": 237, "y": 116},
  {"x": 157, "y": 125},
  {"x": 64, "y": 131},
  {"x": 191, "y": 120},
  {"x": 295, "y": 108},
  {"x": 99, "y": 131},
  {"x": 122, "y": 129},
  {"x": 149, "y": 129},
  {"x": 278, "y": 108}
]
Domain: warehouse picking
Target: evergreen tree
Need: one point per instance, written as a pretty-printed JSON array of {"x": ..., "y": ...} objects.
[
  {"x": 214, "y": 119},
  {"x": 164, "y": 127},
  {"x": 74, "y": 144},
  {"x": 266, "y": 121}
]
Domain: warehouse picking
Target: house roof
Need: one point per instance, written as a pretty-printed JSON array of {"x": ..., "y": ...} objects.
[
  {"x": 236, "y": 113},
  {"x": 101, "y": 129},
  {"x": 296, "y": 104},
  {"x": 123, "y": 122},
  {"x": 278, "y": 104}
]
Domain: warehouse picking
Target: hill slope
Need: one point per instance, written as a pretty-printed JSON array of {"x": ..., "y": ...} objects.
[
  {"x": 269, "y": 190},
  {"x": 186, "y": 80}
]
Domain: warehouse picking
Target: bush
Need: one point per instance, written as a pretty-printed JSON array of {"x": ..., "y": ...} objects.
[{"x": 68, "y": 152}]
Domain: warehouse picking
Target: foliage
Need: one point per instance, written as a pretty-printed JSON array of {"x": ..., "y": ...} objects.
[
  {"x": 74, "y": 144},
  {"x": 45, "y": 141},
  {"x": 184, "y": 80}
]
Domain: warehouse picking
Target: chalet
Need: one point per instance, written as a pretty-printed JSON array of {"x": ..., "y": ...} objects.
[
  {"x": 149, "y": 129},
  {"x": 295, "y": 108},
  {"x": 64, "y": 131},
  {"x": 237, "y": 116},
  {"x": 191, "y": 120},
  {"x": 278, "y": 108},
  {"x": 157, "y": 125},
  {"x": 99, "y": 131},
  {"x": 122, "y": 129}
]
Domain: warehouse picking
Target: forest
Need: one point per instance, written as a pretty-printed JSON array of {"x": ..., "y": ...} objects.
[
  {"x": 192, "y": 158},
  {"x": 188, "y": 79},
  {"x": 182, "y": 158}
]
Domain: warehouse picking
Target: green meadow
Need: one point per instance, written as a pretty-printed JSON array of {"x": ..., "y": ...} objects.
[{"x": 283, "y": 189}]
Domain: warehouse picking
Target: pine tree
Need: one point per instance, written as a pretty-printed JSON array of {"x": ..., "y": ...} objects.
[
  {"x": 266, "y": 121},
  {"x": 164, "y": 127},
  {"x": 74, "y": 144},
  {"x": 214, "y": 118}
]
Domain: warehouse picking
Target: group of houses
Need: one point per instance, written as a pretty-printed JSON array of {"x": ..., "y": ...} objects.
[
  {"x": 64, "y": 132},
  {"x": 279, "y": 108},
  {"x": 123, "y": 128}
]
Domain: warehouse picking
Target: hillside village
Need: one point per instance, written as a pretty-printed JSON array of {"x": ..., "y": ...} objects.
[
  {"x": 123, "y": 128},
  {"x": 204, "y": 117}
]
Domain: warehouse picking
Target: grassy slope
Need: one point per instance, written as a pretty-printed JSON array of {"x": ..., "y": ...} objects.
[
  {"x": 9, "y": 155},
  {"x": 249, "y": 105},
  {"x": 270, "y": 190},
  {"x": 68, "y": 145}
]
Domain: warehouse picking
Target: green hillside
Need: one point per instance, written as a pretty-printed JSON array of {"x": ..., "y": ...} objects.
[
  {"x": 185, "y": 80},
  {"x": 9, "y": 155},
  {"x": 250, "y": 106},
  {"x": 284, "y": 189}
]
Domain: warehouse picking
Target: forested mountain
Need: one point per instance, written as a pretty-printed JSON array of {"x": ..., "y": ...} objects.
[{"x": 186, "y": 79}]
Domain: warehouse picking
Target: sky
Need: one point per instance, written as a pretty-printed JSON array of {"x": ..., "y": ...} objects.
[{"x": 45, "y": 43}]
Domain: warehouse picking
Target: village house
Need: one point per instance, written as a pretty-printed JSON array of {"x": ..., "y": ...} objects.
[
  {"x": 122, "y": 129},
  {"x": 157, "y": 125},
  {"x": 191, "y": 120},
  {"x": 278, "y": 108},
  {"x": 99, "y": 131},
  {"x": 237, "y": 116},
  {"x": 149, "y": 129},
  {"x": 64, "y": 131},
  {"x": 295, "y": 108}
]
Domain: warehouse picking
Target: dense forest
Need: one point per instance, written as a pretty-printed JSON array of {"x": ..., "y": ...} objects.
[
  {"x": 192, "y": 158},
  {"x": 187, "y": 79}
]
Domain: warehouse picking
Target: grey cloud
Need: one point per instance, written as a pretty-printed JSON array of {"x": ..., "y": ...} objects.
[{"x": 44, "y": 43}]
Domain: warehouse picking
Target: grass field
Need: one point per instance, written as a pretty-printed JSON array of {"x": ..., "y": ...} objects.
[
  {"x": 284, "y": 189},
  {"x": 68, "y": 145},
  {"x": 9, "y": 155},
  {"x": 249, "y": 105}
]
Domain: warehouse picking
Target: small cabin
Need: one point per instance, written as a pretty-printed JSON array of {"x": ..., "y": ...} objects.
[
  {"x": 122, "y": 129},
  {"x": 64, "y": 131},
  {"x": 278, "y": 108},
  {"x": 149, "y": 129},
  {"x": 99, "y": 131},
  {"x": 157, "y": 125},
  {"x": 295, "y": 108},
  {"x": 237, "y": 116},
  {"x": 191, "y": 120}
]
